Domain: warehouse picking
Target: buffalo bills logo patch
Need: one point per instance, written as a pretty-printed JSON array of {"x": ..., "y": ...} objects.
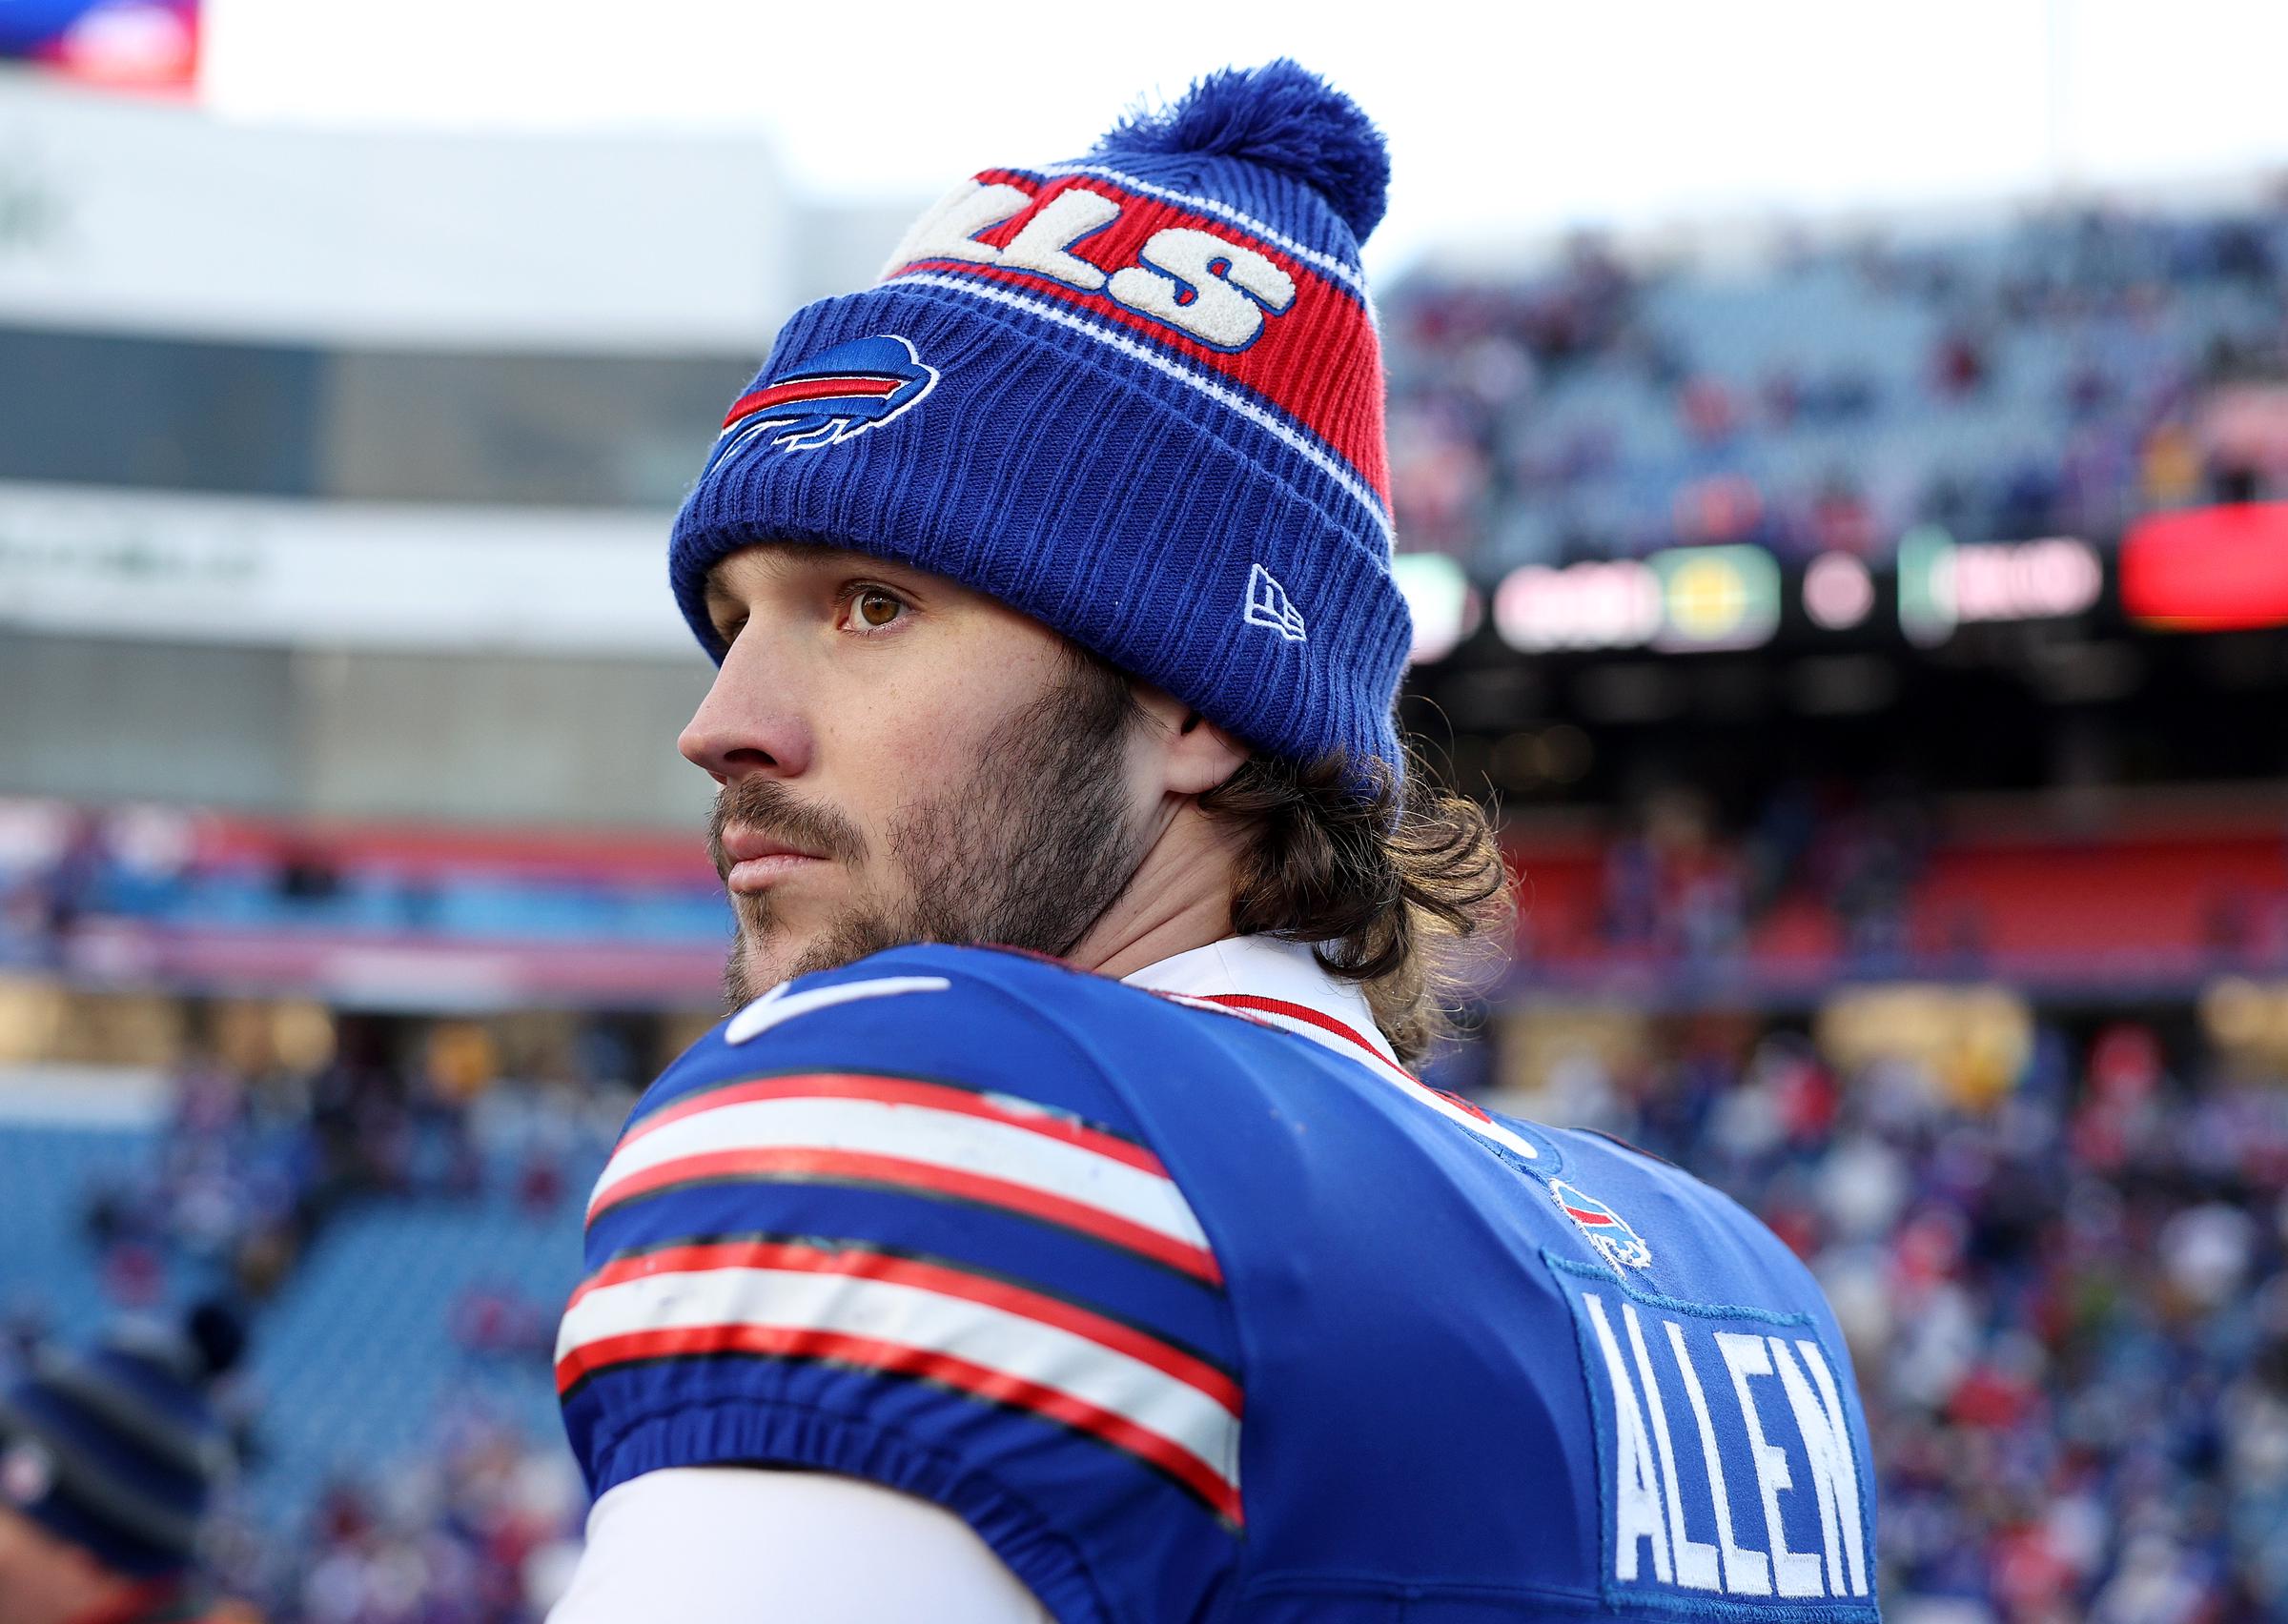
[
  {"x": 827, "y": 398},
  {"x": 1606, "y": 1230}
]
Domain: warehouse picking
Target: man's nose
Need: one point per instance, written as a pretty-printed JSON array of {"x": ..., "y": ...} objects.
[{"x": 751, "y": 722}]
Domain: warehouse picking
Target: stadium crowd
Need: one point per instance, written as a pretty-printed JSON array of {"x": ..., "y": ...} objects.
[
  {"x": 2060, "y": 378},
  {"x": 2065, "y": 1284},
  {"x": 2066, "y": 1292},
  {"x": 254, "y": 1163},
  {"x": 473, "y": 1514},
  {"x": 1678, "y": 886},
  {"x": 83, "y": 883},
  {"x": 477, "y": 1523}
]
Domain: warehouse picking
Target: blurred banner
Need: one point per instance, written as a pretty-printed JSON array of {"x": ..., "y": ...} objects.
[
  {"x": 268, "y": 573},
  {"x": 131, "y": 216},
  {"x": 137, "y": 45}
]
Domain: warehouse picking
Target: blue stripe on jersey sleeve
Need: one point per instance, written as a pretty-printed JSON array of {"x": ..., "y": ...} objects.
[{"x": 1089, "y": 1551}]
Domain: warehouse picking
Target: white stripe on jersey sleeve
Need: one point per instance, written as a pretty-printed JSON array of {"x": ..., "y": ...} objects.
[
  {"x": 913, "y": 1316},
  {"x": 952, "y": 1140}
]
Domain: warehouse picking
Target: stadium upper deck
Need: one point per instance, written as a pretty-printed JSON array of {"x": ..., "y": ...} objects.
[
  {"x": 2060, "y": 377},
  {"x": 1865, "y": 483}
]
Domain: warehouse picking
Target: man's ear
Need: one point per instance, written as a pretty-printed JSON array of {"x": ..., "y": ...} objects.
[{"x": 1194, "y": 753}]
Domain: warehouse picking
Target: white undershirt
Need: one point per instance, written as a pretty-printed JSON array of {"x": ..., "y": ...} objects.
[
  {"x": 738, "y": 1545},
  {"x": 742, "y": 1544}
]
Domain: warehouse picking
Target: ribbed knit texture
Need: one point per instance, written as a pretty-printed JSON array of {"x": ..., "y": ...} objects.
[
  {"x": 115, "y": 1449},
  {"x": 1110, "y": 460}
]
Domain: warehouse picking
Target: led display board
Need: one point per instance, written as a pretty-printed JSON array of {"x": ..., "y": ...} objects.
[
  {"x": 1716, "y": 598},
  {"x": 1945, "y": 583},
  {"x": 1539, "y": 608},
  {"x": 1684, "y": 599},
  {"x": 1444, "y": 605},
  {"x": 2213, "y": 569},
  {"x": 1839, "y": 592}
]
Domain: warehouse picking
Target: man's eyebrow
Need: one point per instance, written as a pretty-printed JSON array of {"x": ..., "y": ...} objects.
[
  {"x": 775, "y": 561},
  {"x": 784, "y": 560}
]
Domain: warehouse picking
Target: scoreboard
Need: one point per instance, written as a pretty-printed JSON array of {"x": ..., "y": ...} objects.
[{"x": 2200, "y": 569}]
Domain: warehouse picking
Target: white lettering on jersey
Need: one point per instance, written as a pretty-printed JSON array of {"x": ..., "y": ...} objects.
[
  {"x": 1746, "y": 1573},
  {"x": 1638, "y": 1494},
  {"x": 1650, "y": 1510},
  {"x": 1827, "y": 1441},
  {"x": 1794, "y": 1573},
  {"x": 1695, "y": 1558}
]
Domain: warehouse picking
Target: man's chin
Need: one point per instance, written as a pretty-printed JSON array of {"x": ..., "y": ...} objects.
[{"x": 754, "y": 967}]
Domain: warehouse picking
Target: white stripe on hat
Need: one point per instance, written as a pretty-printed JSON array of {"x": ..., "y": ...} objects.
[
  {"x": 1303, "y": 441},
  {"x": 974, "y": 1146},
  {"x": 912, "y": 1317}
]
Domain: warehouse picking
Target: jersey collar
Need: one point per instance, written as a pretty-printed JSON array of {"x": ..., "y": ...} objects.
[
  {"x": 1281, "y": 984},
  {"x": 1277, "y": 981}
]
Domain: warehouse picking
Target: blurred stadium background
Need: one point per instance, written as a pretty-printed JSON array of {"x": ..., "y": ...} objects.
[{"x": 1876, "y": 643}]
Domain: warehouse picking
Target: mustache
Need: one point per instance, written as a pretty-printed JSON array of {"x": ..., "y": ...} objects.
[{"x": 769, "y": 808}]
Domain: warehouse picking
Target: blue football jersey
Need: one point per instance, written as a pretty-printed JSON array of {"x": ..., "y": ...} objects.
[{"x": 1193, "y": 1318}]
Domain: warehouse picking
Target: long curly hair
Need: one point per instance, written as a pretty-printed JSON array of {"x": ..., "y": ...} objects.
[{"x": 1405, "y": 892}]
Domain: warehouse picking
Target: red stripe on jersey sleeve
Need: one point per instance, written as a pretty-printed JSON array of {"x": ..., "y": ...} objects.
[
  {"x": 798, "y": 1164},
  {"x": 905, "y": 1091},
  {"x": 867, "y": 1264},
  {"x": 898, "y": 1359}
]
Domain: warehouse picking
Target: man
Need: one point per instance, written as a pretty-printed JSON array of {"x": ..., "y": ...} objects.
[
  {"x": 1131, "y": 1276},
  {"x": 107, "y": 1459}
]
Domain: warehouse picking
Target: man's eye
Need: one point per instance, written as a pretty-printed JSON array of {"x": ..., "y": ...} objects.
[{"x": 875, "y": 608}]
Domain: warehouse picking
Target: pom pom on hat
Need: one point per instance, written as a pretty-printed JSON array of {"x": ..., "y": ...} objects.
[{"x": 1282, "y": 116}]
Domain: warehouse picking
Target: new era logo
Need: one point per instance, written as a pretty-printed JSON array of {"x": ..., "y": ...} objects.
[{"x": 1267, "y": 605}]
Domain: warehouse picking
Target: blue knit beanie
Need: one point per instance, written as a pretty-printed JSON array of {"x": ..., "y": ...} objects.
[
  {"x": 1137, "y": 396},
  {"x": 115, "y": 1449}
]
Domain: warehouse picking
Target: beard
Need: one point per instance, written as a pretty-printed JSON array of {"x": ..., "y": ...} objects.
[{"x": 1028, "y": 852}]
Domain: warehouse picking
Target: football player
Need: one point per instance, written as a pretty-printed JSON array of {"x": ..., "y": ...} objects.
[{"x": 1057, "y": 1230}]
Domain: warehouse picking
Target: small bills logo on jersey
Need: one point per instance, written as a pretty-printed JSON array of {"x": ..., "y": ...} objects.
[
  {"x": 827, "y": 398},
  {"x": 1267, "y": 605},
  {"x": 1608, "y": 1230}
]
